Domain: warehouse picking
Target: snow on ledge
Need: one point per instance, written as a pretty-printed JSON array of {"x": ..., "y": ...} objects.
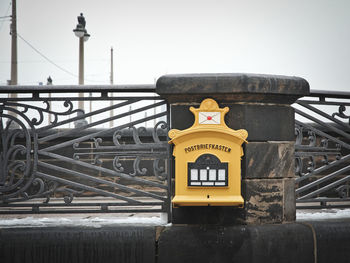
[
  {"x": 100, "y": 221},
  {"x": 322, "y": 214},
  {"x": 96, "y": 222}
]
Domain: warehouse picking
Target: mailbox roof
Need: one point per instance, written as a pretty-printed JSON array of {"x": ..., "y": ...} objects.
[{"x": 175, "y": 134}]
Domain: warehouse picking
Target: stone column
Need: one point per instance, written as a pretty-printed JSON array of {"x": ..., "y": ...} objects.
[{"x": 260, "y": 104}]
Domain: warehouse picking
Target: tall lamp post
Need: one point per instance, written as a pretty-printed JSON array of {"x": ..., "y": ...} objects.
[{"x": 83, "y": 36}]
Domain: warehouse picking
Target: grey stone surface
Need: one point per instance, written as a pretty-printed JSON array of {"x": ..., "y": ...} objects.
[
  {"x": 322, "y": 242},
  {"x": 181, "y": 117},
  {"x": 208, "y": 215},
  {"x": 268, "y": 243},
  {"x": 268, "y": 160},
  {"x": 332, "y": 240},
  {"x": 289, "y": 206},
  {"x": 78, "y": 244},
  {"x": 267, "y": 201},
  {"x": 232, "y": 87},
  {"x": 263, "y": 200},
  {"x": 263, "y": 122}
]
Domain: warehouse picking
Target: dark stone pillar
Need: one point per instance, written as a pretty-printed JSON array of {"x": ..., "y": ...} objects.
[{"x": 259, "y": 104}]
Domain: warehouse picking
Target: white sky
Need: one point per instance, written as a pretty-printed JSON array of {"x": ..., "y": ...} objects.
[{"x": 310, "y": 39}]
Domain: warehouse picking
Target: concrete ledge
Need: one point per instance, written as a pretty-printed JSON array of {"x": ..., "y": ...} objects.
[{"x": 288, "y": 243}]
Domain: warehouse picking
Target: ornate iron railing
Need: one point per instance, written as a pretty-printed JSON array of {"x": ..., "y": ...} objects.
[
  {"x": 322, "y": 150},
  {"x": 111, "y": 157}
]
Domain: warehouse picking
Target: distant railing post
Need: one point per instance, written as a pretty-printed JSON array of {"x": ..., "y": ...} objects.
[{"x": 259, "y": 104}]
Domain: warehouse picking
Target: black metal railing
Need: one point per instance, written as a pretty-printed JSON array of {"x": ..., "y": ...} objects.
[
  {"x": 322, "y": 150},
  {"x": 111, "y": 155}
]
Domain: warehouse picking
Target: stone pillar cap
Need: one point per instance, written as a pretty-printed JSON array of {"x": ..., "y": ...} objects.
[{"x": 232, "y": 87}]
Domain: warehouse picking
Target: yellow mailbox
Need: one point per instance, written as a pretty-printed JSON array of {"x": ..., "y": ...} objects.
[{"x": 208, "y": 159}]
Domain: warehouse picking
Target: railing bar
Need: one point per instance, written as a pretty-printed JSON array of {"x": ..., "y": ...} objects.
[
  {"x": 324, "y": 115},
  {"x": 126, "y": 154},
  {"x": 83, "y": 211},
  {"x": 322, "y": 180},
  {"x": 122, "y": 104},
  {"x": 323, "y": 207},
  {"x": 323, "y": 199},
  {"x": 327, "y": 187},
  {"x": 312, "y": 148},
  {"x": 97, "y": 180},
  {"x": 85, "y": 187},
  {"x": 147, "y": 88},
  {"x": 79, "y": 204},
  {"x": 77, "y": 98},
  {"x": 329, "y": 94},
  {"x": 323, "y": 168},
  {"x": 305, "y": 154},
  {"x": 101, "y": 169},
  {"x": 328, "y": 103},
  {"x": 321, "y": 133},
  {"x": 100, "y": 133},
  {"x": 322, "y": 123},
  {"x": 143, "y": 146}
]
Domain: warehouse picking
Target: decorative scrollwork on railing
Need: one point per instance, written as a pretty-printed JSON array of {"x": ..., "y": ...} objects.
[
  {"x": 137, "y": 169},
  {"x": 159, "y": 171},
  {"x": 128, "y": 147},
  {"x": 343, "y": 191},
  {"x": 54, "y": 189},
  {"x": 312, "y": 138},
  {"x": 163, "y": 126},
  {"x": 17, "y": 157},
  {"x": 313, "y": 151},
  {"x": 117, "y": 135},
  {"x": 300, "y": 167},
  {"x": 341, "y": 113},
  {"x": 298, "y": 134},
  {"x": 36, "y": 121},
  {"x": 311, "y": 164},
  {"x": 117, "y": 165},
  {"x": 136, "y": 134}
]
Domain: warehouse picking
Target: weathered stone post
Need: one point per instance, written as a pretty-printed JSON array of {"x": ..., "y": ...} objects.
[{"x": 260, "y": 104}]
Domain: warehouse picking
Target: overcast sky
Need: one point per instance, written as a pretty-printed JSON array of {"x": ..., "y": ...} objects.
[{"x": 310, "y": 39}]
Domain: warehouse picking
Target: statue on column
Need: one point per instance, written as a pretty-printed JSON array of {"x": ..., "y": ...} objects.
[{"x": 81, "y": 20}]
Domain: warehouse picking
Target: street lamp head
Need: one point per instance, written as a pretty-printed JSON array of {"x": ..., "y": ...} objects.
[
  {"x": 79, "y": 31},
  {"x": 86, "y": 36}
]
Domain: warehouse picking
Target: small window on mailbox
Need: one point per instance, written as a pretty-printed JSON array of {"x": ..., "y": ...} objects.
[{"x": 207, "y": 171}]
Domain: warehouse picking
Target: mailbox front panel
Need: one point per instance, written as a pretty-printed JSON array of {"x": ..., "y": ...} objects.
[
  {"x": 207, "y": 171},
  {"x": 208, "y": 160}
]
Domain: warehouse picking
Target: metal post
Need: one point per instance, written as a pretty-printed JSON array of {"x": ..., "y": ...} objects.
[
  {"x": 111, "y": 112},
  {"x": 111, "y": 77},
  {"x": 81, "y": 70},
  {"x": 14, "y": 73},
  {"x": 14, "y": 45}
]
